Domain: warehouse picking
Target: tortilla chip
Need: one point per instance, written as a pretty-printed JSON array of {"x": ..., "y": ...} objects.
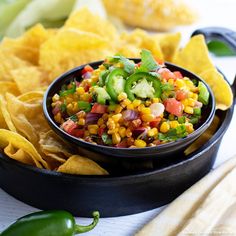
[
  {"x": 86, "y": 21},
  {"x": 194, "y": 56},
  {"x": 140, "y": 39},
  {"x": 81, "y": 166},
  {"x": 5, "y": 118},
  {"x": 10, "y": 87},
  {"x": 28, "y": 78},
  {"x": 221, "y": 89},
  {"x": 70, "y": 48},
  {"x": 18, "y": 142},
  {"x": 27, "y": 46},
  {"x": 31, "y": 97},
  {"x": 8, "y": 63},
  {"x": 28, "y": 118},
  {"x": 169, "y": 44}
]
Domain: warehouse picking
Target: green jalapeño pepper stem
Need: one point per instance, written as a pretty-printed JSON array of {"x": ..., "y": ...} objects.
[
  {"x": 115, "y": 83},
  {"x": 48, "y": 223},
  {"x": 139, "y": 76}
]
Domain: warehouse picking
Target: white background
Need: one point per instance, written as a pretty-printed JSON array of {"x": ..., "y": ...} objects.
[{"x": 211, "y": 13}]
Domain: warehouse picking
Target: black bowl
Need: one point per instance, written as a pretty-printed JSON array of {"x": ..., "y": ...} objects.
[{"x": 129, "y": 154}]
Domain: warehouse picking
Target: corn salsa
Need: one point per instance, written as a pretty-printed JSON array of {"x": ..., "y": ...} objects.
[{"x": 126, "y": 104}]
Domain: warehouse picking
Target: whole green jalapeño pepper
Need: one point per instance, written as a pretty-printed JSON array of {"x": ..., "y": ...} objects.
[
  {"x": 48, "y": 223},
  {"x": 150, "y": 87},
  {"x": 115, "y": 83}
]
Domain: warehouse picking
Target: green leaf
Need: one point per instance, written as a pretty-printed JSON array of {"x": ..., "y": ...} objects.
[
  {"x": 68, "y": 91},
  {"x": 148, "y": 63},
  {"x": 167, "y": 87},
  {"x": 85, "y": 106},
  {"x": 106, "y": 139},
  {"x": 73, "y": 118},
  {"x": 220, "y": 49},
  {"x": 63, "y": 107},
  {"x": 128, "y": 64}
]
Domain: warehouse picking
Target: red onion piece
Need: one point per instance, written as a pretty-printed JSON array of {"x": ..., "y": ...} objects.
[
  {"x": 92, "y": 118},
  {"x": 140, "y": 132},
  {"x": 87, "y": 75},
  {"x": 129, "y": 115},
  {"x": 56, "y": 109},
  {"x": 198, "y": 104}
]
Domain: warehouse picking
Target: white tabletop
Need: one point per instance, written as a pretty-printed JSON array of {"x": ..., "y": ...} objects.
[{"x": 212, "y": 13}]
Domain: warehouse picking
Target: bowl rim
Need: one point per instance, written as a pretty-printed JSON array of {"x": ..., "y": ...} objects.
[{"x": 130, "y": 150}]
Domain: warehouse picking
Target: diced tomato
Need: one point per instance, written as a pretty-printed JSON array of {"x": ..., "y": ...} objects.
[
  {"x": 139, "y": 64},
  {"x": 178, "y": 75},
  {"x": 166, "y": 73},
  {"x": 180, "y": 95},
  {"x": 159, "y": 61},
  {"x": 79, "y": 133},
  {"x": 173, "y": 106},
  {"x": 86, "y": 69},
  {"x": 100, "y": 131},
  {"x": 69, "y": 126},
  {"x": 99, "y": 108},
  {"x": 154, "y": 123},
  {"x": 122, "y": 144},
  {"x": 86, "y": 87}
]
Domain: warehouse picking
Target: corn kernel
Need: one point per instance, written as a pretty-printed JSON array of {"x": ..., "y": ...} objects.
[
  {"x": 58, "y": 117},
  {"x": 105, "y": 116},
  {"x": 147, "y": 117},
  {"x": 185, "y": 102},
  {"x": 118, "y": 109},
  {"x": 85, "y": 97},
  {"x": 189, "y": 127},
  {"x": 100, "y": 121},
  {"x": 189, "y": 83},
  {"x": 148, "y": 103},
  {"x": 112, "y": 131},
  {"x": 195, "y": 96},
  {"x": 179, "y": 83},
  {"x": 81, "y": 121},
  {"x": 86, "y": 133},
  {"x": 122, "y": 96},
  {"x": 191, "y": 102},
  {"x": 69, "y": 108},
  {"x": 103, "y": 126},
  {"x": 69, "y": 100},
  {"x": 152, "y": 132},
  {"x": 56, "y": 98},
  {"x": 155, "y": 100},
  {"x": 171, "y": 81},
  {"x": 140, "y": 143},
  {"x": 116, "y": 138},
  {"x": 164, "y": 127},
  {"x": 136, "y": 103},
  {"x": 188, "y": 110},
  {"x": 80, "y": 114},
  {"x": 190, "y": 94},
  {"x": 111, "y": 124},
  {"x": 122, "y": 132},
  {"x": 128, "y": 133},
  {"x": 93, "y": 131},
  {"x": 80, "y": 90},
  {"x": 141, "y": 106},
  {"x": 174, "y": 124},
  {"x": 116, "y": 117},
  {"x": 145, "y": 110},
  {"x": 130, "y": 106},
  {"x": 92, "y": 126},
  {"x": 125, "y": 102}
]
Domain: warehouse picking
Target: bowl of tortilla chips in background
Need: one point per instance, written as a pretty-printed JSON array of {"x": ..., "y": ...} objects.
[{"x": 39, "y": 168}]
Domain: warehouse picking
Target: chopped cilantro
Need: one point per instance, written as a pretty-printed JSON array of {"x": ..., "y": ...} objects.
[
  {"x": 73, "y": 118},
  {"x": 128, "y": 64},
  {"x": 106, "y": 139},
  {"x": 167, "y": 87},
  {"x": 174, "y": 134},
  {"x": 63, "y": 107}
]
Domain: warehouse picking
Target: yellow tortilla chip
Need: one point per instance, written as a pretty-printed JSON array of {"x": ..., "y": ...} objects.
[
  {"x": 221, "y": 89},
  {"x": 140, "y": 39},
  {"x": 28, "y": 78},
  {"x": 70, "y": 48},
  {"x": 194, "y": 56},
  {"x": 27, "y": 46},
  {"x": 86, "y": 21},
  {"x": 8, "y": 63},
  {"x": 169, "y": 44},
  {"x": 8, "y": 86},
  {"x": 31, "y": 96},
  {"x": 28, "y": 118},
  {"x": 81, "y": 166},
  {"x": 6, "y": 121},
  {"x": 18, "y": 142}
]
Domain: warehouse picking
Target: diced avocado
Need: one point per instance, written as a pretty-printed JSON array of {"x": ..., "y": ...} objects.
[
  {"x": 203, "y": 96},
  {"x": 143, "y": 89},
  {"x": 102, "y": 95}
]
